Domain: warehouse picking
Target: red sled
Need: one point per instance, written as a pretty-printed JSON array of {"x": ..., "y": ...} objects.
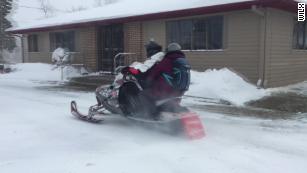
[{"x": 192, "y": 126}]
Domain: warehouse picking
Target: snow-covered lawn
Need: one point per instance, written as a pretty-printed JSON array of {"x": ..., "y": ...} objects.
[{"x": 38, "y": 135}]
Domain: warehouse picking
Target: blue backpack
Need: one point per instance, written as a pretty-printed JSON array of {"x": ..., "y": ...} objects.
[{"x": 180, "y": 77}]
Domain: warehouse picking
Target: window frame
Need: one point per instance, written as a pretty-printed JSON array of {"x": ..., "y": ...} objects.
[
  {"x": 206, "y": 33},
  {"x": 67, "y": 39},
  {"x": 296, "y": 45},
  {"x": 33, "y": 43}
]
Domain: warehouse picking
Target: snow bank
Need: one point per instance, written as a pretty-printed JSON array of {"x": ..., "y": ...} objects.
[
  {"x": 224, "y": 84},
  {"x": 38, "y": 71}
]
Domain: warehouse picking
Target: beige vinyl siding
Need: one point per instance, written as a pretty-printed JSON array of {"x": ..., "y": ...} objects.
[
  {"x": 43, "y": 49},
  {"x": 242, "y": 39},
  {"x": 25, "y": 48},
  {"x": 285, "y": 64},
  {"x": 85, "y": 48}
]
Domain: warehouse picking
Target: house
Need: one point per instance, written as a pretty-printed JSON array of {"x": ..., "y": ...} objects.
[{"x": 260, "y": 39}]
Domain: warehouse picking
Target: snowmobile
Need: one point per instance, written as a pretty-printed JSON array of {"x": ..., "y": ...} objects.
[{"x": 109, "y": 103}]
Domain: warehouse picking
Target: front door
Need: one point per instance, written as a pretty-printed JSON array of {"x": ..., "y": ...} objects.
[{"x": 112, "y": 43}]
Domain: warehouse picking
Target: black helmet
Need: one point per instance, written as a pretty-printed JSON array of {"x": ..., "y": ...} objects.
[{"x": 152, "y": 48}]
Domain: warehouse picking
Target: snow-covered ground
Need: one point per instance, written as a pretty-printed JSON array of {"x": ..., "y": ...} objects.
[{"x": 38, "y": 134}]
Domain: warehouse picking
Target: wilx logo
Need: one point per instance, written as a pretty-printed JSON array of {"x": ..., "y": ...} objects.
[{"x": 301, "y": 12}]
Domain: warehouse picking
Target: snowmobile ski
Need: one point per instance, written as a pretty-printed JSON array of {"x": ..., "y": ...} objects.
[{"x": 90, "y": 117}]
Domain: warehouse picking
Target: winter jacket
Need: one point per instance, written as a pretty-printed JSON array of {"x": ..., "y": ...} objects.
[
  {"x": 143, "y": 67},
  {"x": 160, "y": 88}
]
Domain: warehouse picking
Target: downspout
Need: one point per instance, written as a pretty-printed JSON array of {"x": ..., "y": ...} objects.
[
  {"x": 262, "y": 80},
  {"x": 141, "y": 42}
]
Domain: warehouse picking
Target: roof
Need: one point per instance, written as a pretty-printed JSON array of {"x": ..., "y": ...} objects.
[{"x": 139, "y": 10}]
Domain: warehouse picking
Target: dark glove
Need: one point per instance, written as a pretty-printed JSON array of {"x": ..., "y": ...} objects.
[
  {"x": 125, "y": 70},
  {"x": 130, "y": 70}
]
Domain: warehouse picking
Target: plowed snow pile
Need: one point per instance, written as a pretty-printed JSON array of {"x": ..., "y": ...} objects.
[{"x": 224, "y": 84}]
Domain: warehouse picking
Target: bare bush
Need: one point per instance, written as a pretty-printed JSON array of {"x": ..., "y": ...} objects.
[
  {"x": 76, "y": 9},
  {"x": 46, "y": 7}
]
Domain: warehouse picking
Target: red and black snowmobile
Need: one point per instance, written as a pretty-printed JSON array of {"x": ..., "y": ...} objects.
[{"x": 108, "y": 103}]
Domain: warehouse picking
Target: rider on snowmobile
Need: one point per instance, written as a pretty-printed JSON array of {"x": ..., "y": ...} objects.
[
  {"x": 128, "y": 93},
  {"x": 159, "y": 78},
  {"x": 160, "y": 75},
  {"x": 154, "y": 55},
  {"x": 162, "y": 79}
]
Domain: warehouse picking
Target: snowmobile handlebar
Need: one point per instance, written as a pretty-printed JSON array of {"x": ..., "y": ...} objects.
[{"x": 116, "y": 57}]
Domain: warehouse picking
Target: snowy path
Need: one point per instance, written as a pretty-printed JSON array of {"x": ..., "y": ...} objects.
[{"x": 40, "y": 135}]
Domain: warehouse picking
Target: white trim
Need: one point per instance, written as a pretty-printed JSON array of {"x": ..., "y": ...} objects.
[{"x": 205, "y": 50}]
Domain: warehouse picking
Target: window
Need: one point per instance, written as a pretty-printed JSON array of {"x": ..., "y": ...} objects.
[
  {"x": 300, "y": 35},
  {"x": 62, "y": 39},
  {"x": 196, "y": 34},
  {"x": 180, "y": 32},
  {"x": 33, "y": 43}
]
